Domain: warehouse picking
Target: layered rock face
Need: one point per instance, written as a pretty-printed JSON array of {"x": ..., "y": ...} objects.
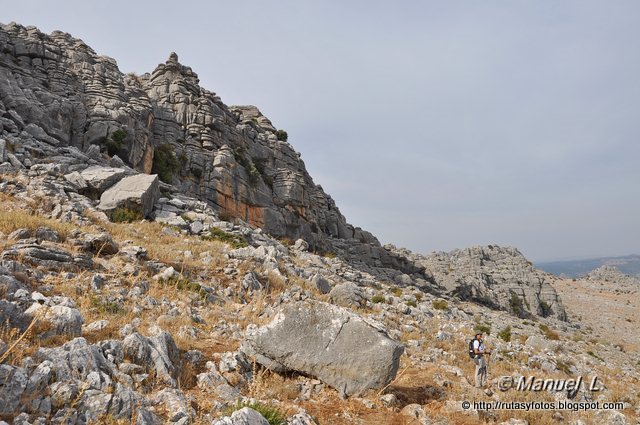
[
  {"x": 65, "y": 111},
  {"x": 500, "y": 277},
  {"x": 59, "y": 90}
]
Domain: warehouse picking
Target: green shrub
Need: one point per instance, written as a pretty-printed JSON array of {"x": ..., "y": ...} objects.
[
  {"x": 115, "y": 142},
  {"x": 125, "y": 215},
  {"x": 517, "y": 306},
  {"x": 412, "y": 303},
  {"x": 440, "y": 304},
  {"x": 216, "y": 234},
  {"x": 197, "y": 173},
  {"x": 549, "y": 333},
  {"x": 106, "y": 307},
  {"x": 270, "y": 413},
  {"x": 282, "y": 135},
  {"x": 505, "y": 334},
  {"x": 482, "y": 328},
  {"x": 165, "y": 163},
  {"x": 592, "y": 354},
  {"x": 544, "y": 308},
  {"x": 564, "y": 367},
  {"x": 182, "y": 283},
  {"x": 378, "y": 298},
  {"x": 396, "y": 291}
]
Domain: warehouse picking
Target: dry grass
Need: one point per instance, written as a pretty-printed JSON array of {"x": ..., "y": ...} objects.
[{"x": 14, "y": 217}]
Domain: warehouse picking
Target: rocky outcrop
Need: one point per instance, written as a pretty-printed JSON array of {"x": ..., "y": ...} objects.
[
  {"x": 615, "y": 279},
  {"x": 57, "y": 89},
  {"x": 495, "y": 276},
  {"x": 338, "y": 347}
]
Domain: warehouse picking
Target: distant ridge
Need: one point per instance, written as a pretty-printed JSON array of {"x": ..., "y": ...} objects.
[{"x": 628, "y": 264}]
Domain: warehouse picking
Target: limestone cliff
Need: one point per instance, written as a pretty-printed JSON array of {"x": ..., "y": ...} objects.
[{"x": 60, "y": 89}]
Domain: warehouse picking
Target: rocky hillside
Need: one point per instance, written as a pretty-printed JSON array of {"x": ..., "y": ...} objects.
[{"x": 165, "y": 258}]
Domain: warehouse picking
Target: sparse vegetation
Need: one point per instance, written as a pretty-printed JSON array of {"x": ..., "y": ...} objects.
[
  {"x": 440, "y": 304},
  {"x": 165, "y": 163},
  {"x": 378, "y": 298},
  {"x": 544, "y": 308},
  {"x": 397, "y": 291},
  {"x": 549, "y": 333},
  {"x": 272, "y": 414},
  {"x": 106, "y": 307},
  {"x": 505, "y": 334},
  {"x": 484, "y": 328},
  {"x": 125, "y": 215},
  {"x": 114, "y": 143},
  {"x": 412, "y": 303},
  {"x": 220, "y": 235},
  {"x": 282, "y": 135},
  {"x": 517, "y": 306}
]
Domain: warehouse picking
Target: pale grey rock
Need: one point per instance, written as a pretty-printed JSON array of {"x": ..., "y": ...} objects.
[
  {"x": 99, "y": 178},
  {"x": 98, "y": 325},
  {"x": 158, "y": 354},
  {"x": 3, "y": 150},
  {"x": 176, "y": 404},
  {"x": 338, "y": 347},
  {"x": 301, "y": 418},
  {"x": 13, "y": 383},
  {"x": 137, "y": 193},
  {"x": 48, "y": 256},
  {"x": 64, "y": 320},
  {"x": 389, "y": 400},
  {"x": 347, "y": 294},
  {"x": 75, "y": 359},
  {"x": 251, "y": 283},
  {"x": 495, "y": 276},
  {"x": 244, "y": 416},
  {"x": 98, "y": 243},
  {"x": 321, "y": 284}
]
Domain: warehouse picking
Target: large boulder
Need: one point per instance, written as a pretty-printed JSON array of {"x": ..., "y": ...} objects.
[
  {"x": 137, "y": 193},
  {"x": 344, "y": 350}
]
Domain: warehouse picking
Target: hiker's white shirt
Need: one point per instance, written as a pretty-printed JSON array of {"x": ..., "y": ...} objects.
[{"x": 477, "y": 345}]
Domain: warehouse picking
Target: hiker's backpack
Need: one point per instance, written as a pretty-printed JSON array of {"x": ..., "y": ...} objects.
[{"x": 472, "y": 354}]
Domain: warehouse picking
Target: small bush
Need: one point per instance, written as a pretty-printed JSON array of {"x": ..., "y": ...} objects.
[
  {"x": 106, "y": 307},
  {"x": 440, "y": 304},
  {"x": 282, "y": 135},
  {"x": 517, "y": 306},
  {"x": 505, "y": 334},
  {"x": 549, "y": 333},
  {"x": 482, "y": 328},
  {"x": 592, "y": 354},
  {"x": 564, "y": 367},
  {"x": 270, "y": 413},
  {"x": 378, "y": 298},
  {"x": 396, "y": 291},
  {"x": 412, "y": 303},
  {"x": 165, "y": 163},
  {"x": 182, "y": 283},
  {"x": 197, "y": 173},
  {"x": 216, "y": 234},
  {"x": 115, "y": 142},
  {"x": 418, "y": 297},
  {"x": 125, "y": 215},
  {"x": 544, "y": 308}
]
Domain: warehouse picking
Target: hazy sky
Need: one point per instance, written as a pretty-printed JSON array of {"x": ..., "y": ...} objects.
[{"x": 435, "y": 124}]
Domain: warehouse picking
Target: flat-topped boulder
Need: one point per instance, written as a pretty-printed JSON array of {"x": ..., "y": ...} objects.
[
  {"x": 136, "y": 193},
  {"x": 346, "y": 351}
]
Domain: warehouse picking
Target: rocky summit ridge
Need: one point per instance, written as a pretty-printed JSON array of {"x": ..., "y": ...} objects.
[{"x": 166, "y": 258}]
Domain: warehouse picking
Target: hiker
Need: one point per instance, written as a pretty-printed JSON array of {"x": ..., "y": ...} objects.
[{"x": 477, "y": 351}]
